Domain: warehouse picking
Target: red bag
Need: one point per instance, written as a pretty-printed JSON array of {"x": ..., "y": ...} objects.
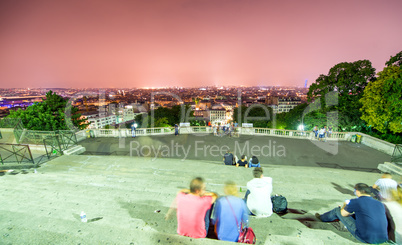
[{"x": 247, "y": 236}]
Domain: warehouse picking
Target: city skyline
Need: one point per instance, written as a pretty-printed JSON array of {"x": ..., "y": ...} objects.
[{"x": 137, "y": 44}]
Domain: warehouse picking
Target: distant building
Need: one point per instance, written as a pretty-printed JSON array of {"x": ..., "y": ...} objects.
[
  {"x": 287, "y": 104},
  {"x": 217, "y": 116},
  {"x": 97, "y": 121}
]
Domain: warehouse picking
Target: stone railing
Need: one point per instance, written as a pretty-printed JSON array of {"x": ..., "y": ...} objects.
[
  {"x": 291, "y": 133},
  {"x": 81, "y": 135}
]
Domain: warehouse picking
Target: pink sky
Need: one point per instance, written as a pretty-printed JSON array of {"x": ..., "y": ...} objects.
[{"x": 144, "y": 43}]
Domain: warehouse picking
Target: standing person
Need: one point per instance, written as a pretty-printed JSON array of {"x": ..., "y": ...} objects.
[
  {"x": 228, "y": 158},
  {"x": 242, "y": 162},
  {"x": 315, "y": 130},
  {"x": 321, "y": 134},
  {"x": 385, "y": 185},
  {"x": 214, "y": 128},
  {"x": 133, "y": 128},
  {"x": 254, "y": 162},
  {"x": 369, "y": 222},
  {"x": 176, "y": 130},
  {"x": 193, "y": 209},
  {"x": 229, "y": 214},
  {"x": 258, "y": 195},
  {"x": 329, "y": 133}
]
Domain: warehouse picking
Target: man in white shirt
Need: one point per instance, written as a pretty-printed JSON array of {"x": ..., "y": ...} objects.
[
  {"x": 385, "y": 185},
  {"x": 258, "y": 195}
]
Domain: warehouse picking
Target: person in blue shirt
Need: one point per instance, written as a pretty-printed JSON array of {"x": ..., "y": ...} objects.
[
  {"x": 369, "y": 222},
  {"x": 229, "y": 214},
  {"x": 254, "y": 162}
]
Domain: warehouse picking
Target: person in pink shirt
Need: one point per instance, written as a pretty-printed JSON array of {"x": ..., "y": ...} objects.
[{"x": 193, "y": 209}]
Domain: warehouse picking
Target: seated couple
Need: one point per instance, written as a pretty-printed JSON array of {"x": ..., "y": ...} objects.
[
  {"x": 194, "y": 211},
  {"x": 229, "y": 212}
]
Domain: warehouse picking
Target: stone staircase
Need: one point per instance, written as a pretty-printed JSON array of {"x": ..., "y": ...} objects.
[{"x": 121, "y": 194}]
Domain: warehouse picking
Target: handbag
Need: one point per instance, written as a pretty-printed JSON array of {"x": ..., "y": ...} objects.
[{"x": 246, "y": 234}]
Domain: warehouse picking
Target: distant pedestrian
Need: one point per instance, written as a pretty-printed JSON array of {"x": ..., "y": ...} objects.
[
  {"x": 242, "y": 162},
  {"x": 315, "y": 131},
  {"x": 329, "y": 133},
  {"x": 254, "y": 162},
  {"x": 176, "y": 130},
  {"x": 321, "y": 134},
  {"x": 228, "y": 158},
  {"x": 215, "y": 129}
]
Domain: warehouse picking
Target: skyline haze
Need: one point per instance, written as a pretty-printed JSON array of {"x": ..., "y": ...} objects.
[{"x": 190, "y": 43}]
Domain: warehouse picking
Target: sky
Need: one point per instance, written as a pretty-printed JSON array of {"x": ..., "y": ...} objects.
[{"x": 190, "y": 43}]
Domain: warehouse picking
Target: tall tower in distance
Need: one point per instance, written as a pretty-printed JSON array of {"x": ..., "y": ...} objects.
[{"x": 305, "y": 84}]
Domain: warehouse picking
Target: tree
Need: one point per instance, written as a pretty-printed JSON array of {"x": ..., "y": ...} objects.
[
  {"x": 349, "y": 81},
  {"x": 49, "y": 115},
  {"x": 382, "y": 101},
  {"x": 395, "y": 60}
]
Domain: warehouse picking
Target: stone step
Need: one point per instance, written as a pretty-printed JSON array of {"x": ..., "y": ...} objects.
[
  {"x": 75, "y": 150},
  {"x": 121, "y": 194},
  {"x": 392, "y": 168}
]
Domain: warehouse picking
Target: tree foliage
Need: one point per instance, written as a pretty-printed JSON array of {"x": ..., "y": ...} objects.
[
  {"x": 259, "y": 115},
  {"x": 48, "y": 115},
  {"x": 165, "y": 117},
  {"x": 382, "y": 101},
  {"x": 348, "y": 80},
  {"x": 395, "y": 60}
]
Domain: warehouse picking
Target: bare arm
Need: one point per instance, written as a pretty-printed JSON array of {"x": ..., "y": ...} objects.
[
  {"x": 344, "y": 213},
  {"x": 375, "y": 186},
  {"x": 212, "y": 194}
]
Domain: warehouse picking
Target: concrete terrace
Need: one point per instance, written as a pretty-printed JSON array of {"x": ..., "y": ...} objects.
[
  {"x": 120, "y": 194},
  {"x": 269, "y": 149}
]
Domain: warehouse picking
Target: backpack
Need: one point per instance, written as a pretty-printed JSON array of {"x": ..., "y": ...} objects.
[{"x": 279, "y": 204}]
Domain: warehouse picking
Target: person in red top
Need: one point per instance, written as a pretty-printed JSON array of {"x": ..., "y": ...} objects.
[{"x": 193, "y": 209}]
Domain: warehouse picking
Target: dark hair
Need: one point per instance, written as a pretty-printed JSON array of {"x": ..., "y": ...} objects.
[
  {"x": 257, "y": 172},
  {"x": 196, "y": 184},
  {"x": 363, "y": 188},
  {"x": 243, "y": 157},
  {"x": 254, "y": 160}
]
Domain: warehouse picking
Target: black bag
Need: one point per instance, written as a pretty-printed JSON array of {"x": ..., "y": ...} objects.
[{"x": 279, "y": 204}]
